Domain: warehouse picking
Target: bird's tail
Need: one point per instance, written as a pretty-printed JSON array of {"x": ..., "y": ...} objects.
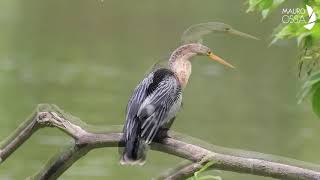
[{"x": 134, "y": 148}]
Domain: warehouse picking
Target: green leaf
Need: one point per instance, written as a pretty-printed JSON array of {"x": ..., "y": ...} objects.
[
  {"x": 301, "y": 38},
  {"x": 309, "y": 86},
  {"x": 316, "y": 101},
  {"x": 205, "y": 167},
  {"x": 276, "y": 3},
  {"x": 303, "y": 94},
  {"x": 253, "y": 4},
  {"x": 265, "y": 13},
  {"x": 313, "y": 80},
  {"x": 263, "y": 6}
]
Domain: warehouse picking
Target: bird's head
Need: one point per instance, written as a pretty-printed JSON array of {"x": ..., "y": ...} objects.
[
  {"x": 203, "y": 50},
  {"x": 187, "y": 51}
]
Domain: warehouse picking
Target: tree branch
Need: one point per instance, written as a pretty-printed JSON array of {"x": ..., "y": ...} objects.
[
  {"x": 181, "y": 171},
  {"x": 86, "y": 140},
  {"x": 20, "y": 135}
]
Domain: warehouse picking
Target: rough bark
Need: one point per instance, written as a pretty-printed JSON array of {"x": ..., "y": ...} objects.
[{"x": 87, "y": 138}]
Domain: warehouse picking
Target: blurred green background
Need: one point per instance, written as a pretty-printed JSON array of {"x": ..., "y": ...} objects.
[{"x": 87, "y": 56}]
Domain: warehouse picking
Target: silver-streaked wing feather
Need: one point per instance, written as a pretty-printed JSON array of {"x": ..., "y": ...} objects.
[
  {"x": 138, "y": 96},
  {"x": 195, "y": 33},
  {"x": 162, "y": 99}
]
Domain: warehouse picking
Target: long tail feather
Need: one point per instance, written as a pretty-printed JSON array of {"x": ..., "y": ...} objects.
[{"x": 135, "y": 147}]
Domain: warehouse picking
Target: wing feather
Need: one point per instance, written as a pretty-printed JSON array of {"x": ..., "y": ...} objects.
[
  {"x": 138, "y": 96},
  {"x": 162, "y": 99},
  {"x": 151, "y": 102}
]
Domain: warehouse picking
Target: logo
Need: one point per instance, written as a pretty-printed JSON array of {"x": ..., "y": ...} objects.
[
  {"x": 297, "y": 15},
  {"x": 312, "y": 18}
]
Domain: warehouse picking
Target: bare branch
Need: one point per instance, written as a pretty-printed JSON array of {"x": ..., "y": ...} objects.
[
  {"x": 181, "y": 171},
  {"x": 59, "y": 163},
  {"x": 85, "y": 140},
  {"x": 20, "y": 135}
]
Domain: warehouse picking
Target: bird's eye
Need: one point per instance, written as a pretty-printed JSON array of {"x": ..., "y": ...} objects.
[{"x": 209, "y": 52}]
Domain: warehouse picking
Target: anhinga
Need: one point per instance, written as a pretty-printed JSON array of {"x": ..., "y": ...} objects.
[{"x": 157, "y": 99}]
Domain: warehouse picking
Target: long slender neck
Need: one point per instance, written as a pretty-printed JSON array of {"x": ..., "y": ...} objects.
[{"x": 180, "y": 64}]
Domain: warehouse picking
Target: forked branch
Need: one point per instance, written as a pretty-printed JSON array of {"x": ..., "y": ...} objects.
[{"x": 88, "y": 137}]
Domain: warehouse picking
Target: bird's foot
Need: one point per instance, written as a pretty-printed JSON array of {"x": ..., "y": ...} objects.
[{"x": 162, "y": 134}]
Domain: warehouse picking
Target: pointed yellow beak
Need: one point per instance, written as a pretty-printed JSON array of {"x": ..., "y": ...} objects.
[{"x": 219, "y": 60}]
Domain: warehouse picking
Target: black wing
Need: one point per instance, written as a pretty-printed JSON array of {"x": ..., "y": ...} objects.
[
  {"x": 138, "y": 96},
  {"x": 151, "y": 102}
]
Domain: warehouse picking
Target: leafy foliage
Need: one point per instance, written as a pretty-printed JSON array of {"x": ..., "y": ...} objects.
[
  {"x": 315, "y": 100},
  {"x": 264, "y": 6},
  {"x": 312, "y": 87},
  {"x": 307, "y": 42}
]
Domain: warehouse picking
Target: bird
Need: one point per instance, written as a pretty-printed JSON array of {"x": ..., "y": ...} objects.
[{"x": 157, "y": 99}]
